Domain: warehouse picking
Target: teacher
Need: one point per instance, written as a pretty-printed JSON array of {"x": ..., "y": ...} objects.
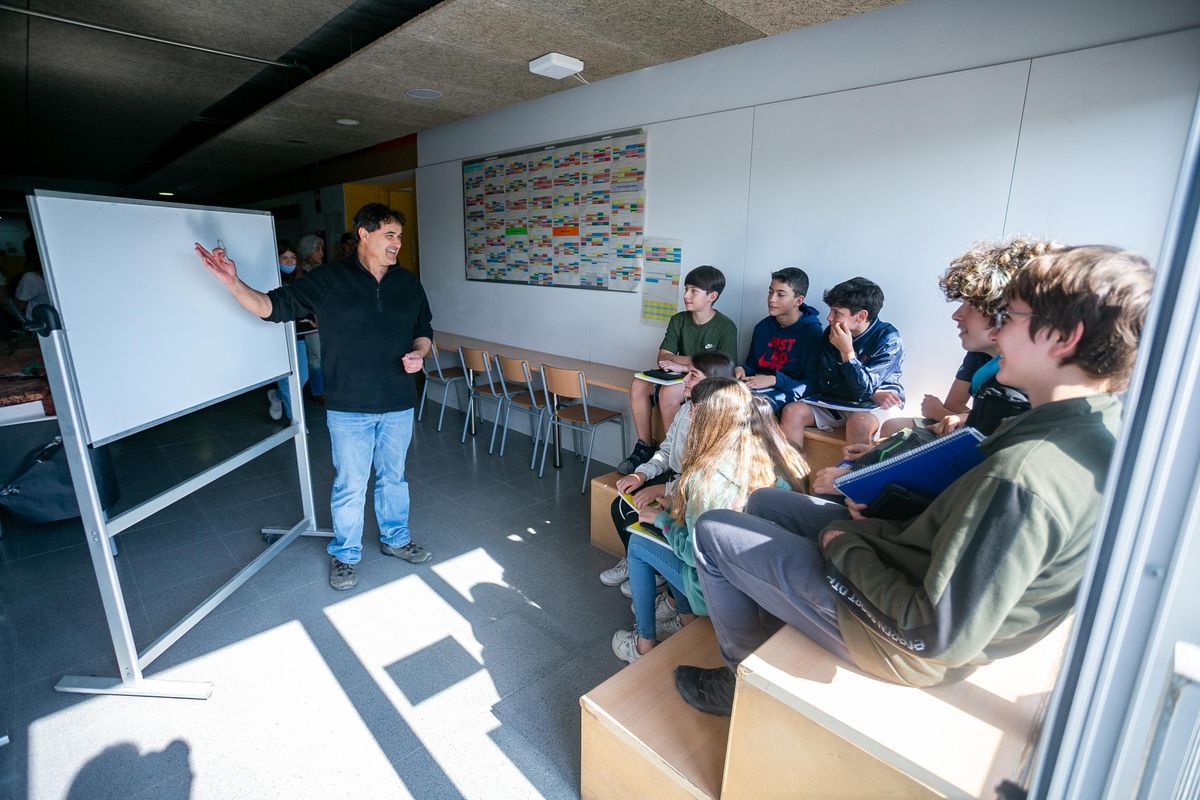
[{"x": 376, "y": 332}]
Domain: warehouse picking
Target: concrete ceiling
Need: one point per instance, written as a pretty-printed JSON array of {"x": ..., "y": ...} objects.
[{"x": 93, "y": 109}]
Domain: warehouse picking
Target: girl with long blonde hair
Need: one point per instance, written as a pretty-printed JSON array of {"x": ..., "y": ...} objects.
[{"x": 733, "y": 448}]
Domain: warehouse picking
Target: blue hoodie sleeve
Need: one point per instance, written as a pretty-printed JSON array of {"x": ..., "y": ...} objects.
[
  {"x": 800, "y": 371},
  {"x": 758, "y": 345},
  {"x": 876, "y": 367}
]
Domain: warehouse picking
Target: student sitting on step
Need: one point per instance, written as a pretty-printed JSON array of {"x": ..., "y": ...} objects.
[
  {"x": 977, "y": 279},
  {"x": 785, "y": 343},
  {"x": 994, "y": 563},
  {"x": 656, "y": 477},
  {"x": 734, "y": 447},
  {"x": 699, "y": 328},
  {"x": 858, "y": 364}
]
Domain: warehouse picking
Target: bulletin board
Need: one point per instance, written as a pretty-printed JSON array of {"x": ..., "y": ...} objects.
[{"x": 569, "y": 214}]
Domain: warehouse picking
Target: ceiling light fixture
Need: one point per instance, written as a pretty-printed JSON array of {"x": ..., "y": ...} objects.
[
  {"x": 557, "y": 66},
  {"x": 166, "y": 194},
  {"x": 424, "y": 94},
  {"x": 347, "y": 121}
]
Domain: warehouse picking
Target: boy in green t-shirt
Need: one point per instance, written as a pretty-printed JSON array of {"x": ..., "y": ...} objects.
[{"x": 699, "y": 328}]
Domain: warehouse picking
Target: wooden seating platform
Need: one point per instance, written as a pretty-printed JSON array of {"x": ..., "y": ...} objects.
[
  {"x": 603, "y": 535},
  {"x": 639, "y": 739},
  {"x": 823, "y": 448},
  {"x": 806, "y": 724}
]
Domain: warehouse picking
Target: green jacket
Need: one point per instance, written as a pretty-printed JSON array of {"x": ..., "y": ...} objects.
[{"x": 992, "y": 565}]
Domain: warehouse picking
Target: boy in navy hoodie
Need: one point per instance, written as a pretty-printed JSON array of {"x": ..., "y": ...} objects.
[
  {"x": 858, "y": 364},
  {"x": 784, "y": 345}
]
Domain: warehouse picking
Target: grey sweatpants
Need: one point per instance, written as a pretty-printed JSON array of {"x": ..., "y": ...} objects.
[{"x": 768, "y": 558}]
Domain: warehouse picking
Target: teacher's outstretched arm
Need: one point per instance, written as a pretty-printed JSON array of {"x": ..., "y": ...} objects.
[{"x": 220, "y": 265}]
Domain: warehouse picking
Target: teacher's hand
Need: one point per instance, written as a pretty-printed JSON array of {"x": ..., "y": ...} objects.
[
  {"x": 413, "y": 361},
  {"x": 219, "y": 264}
]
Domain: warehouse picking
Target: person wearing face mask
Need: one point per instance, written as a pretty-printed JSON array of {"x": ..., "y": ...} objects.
[{"x": 279, "y": 397}]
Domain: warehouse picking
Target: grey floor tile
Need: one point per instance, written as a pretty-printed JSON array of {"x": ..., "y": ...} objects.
[
  {"x": 155, "y": 540},
  {"x": 537, "y": 623}
]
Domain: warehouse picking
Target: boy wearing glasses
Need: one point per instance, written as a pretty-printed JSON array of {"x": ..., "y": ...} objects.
[{"x": 994, "y": 563}]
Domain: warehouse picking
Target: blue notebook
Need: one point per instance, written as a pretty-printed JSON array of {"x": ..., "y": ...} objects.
[{"x": 926, "y": 470}]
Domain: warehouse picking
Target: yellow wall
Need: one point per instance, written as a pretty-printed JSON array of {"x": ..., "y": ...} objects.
[{"x": 400, "y": 195}]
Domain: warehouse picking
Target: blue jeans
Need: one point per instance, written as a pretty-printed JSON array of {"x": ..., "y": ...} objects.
[
  {"x": 285, "y": 396},
  {"x": 644, "y": 559},
  {"x": 360, "y": 441}
]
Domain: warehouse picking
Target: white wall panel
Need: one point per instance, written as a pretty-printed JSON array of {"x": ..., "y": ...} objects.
[
  {"x": 1101, "y": 142},
  {"x": 887, "y": 182}
]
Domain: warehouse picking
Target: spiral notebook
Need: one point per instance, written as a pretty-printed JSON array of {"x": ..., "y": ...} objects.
[{"x": 926, "y": 470}]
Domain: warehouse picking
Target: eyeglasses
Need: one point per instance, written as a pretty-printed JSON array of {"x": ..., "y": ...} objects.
[{"x": 1004, "y": 315}]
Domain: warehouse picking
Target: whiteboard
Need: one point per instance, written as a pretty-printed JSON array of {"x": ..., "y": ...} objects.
[{"x": 150, "y": 333}]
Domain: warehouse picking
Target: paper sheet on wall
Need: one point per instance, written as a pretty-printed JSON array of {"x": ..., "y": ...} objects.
[
  {"x": 660, "y": 285},
  {"x": 570, "y": 215}
]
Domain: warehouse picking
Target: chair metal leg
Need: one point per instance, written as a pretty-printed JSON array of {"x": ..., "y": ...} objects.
[
  {"x": 587, "y": 462},
  {"x": 546, "y": 445},
  {"x": 445, "y": 395},
  {"x": 504, "y": 437},
  {"x": 495, "y": 425},
  {"x": 470, "y": 414},
  {"x": 537, "y": 432},
  {"x": 424, "y": 394}
]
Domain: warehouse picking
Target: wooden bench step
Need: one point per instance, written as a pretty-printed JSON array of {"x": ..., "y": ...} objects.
[
  {"x": 639, "y": 738},
  {"x": 807, "y": 724},
  {"x": 823, "y": 448},
  {"x": 603, "y": 534}
]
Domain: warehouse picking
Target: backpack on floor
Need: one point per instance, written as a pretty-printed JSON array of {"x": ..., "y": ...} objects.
[{"x": 42, "y": 490}]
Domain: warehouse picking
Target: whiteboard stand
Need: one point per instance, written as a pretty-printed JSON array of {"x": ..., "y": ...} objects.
[{"x": 99, "y": 530}]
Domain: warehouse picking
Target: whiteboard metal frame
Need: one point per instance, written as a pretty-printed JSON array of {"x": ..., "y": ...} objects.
[{"x": 99, "y": 529}]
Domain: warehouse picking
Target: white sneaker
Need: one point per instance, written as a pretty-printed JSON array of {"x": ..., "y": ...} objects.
[
  {"x": 276, "y": 410},
  {"x": 666, "y": 628},
  {"x": 615, "y": 575},
  {"x": 663, "y": 610},
  {"x": 627, "y": 590},
  {"x": 624, "y": 646}
]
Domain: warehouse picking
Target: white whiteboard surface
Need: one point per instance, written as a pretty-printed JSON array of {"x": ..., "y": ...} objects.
[{"x": 150, "y": 332}]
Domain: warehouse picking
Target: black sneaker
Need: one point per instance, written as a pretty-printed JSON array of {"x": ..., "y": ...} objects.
[
  {"x": 412, "y": 553},
  {"x": 343, "y": 576},
  {"x": 642, "y": 453},
  {"x": 707, "y": 690}
]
